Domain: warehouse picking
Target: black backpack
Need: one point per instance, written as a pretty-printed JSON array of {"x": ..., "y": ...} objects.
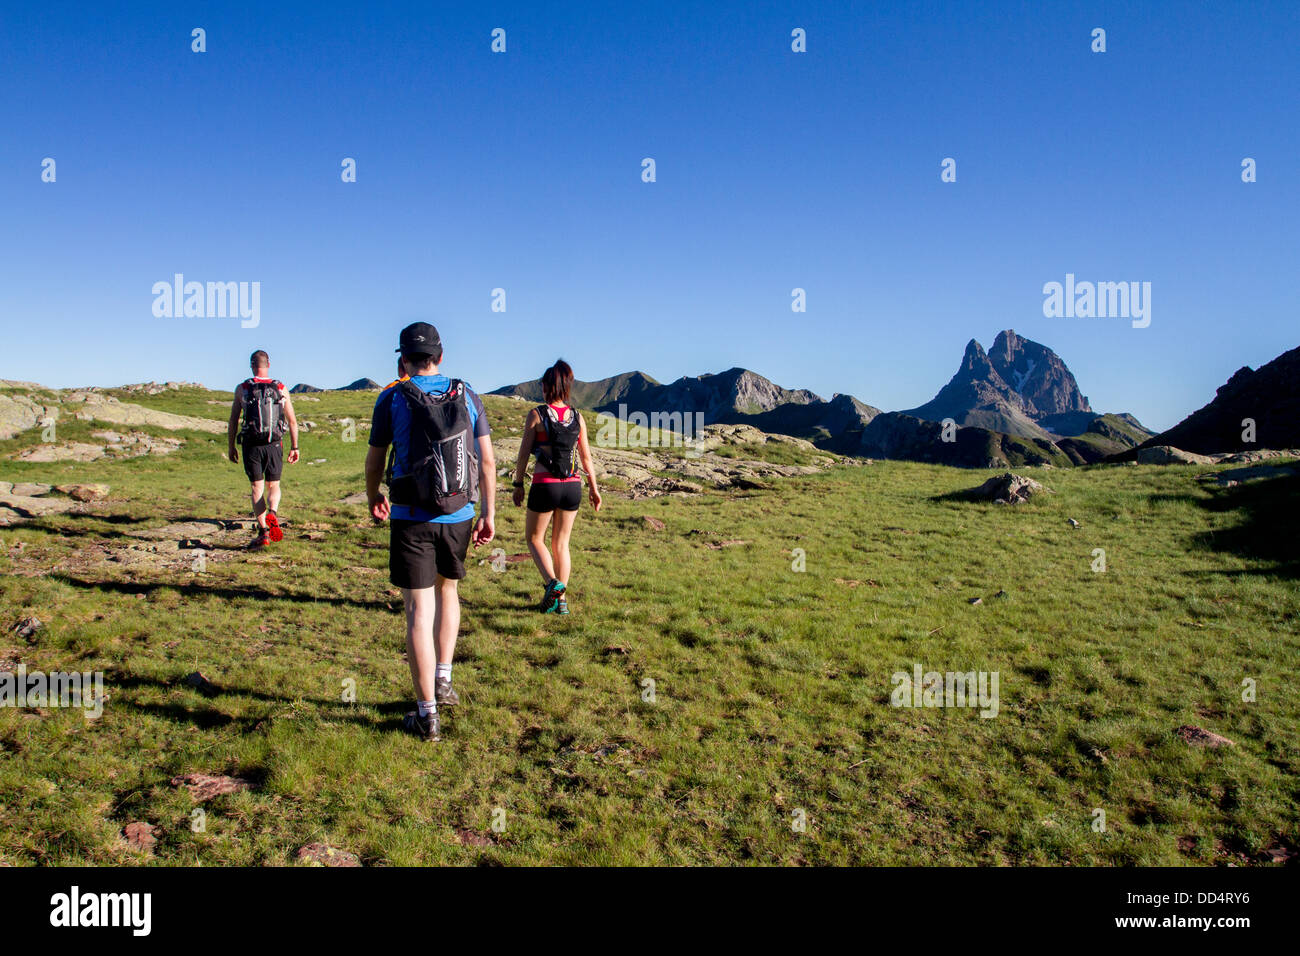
[
  {"x": 559, "y": 453},
  {"x": 442, "y": 454},
  {"x": 263, "y": 412}
]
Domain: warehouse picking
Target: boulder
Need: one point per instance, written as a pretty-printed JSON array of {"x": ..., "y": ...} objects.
[
  {"x": 1169, "y": 455},
  {"x": 84, "y": 492},
  {"x": 1007, "y": 489}
]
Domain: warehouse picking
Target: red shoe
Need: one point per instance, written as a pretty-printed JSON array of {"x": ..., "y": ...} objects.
[
  {"x": 258, "y": 543},
  {"x": 273, "y": 529}
]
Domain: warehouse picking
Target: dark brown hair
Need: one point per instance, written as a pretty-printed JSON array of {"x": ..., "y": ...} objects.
[
  {"x": 259, "y": 359},
  {"x": 556, "y": 382}
]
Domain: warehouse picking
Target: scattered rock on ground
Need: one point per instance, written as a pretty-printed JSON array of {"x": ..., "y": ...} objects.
[
  {"x": 84, "y": 492},
  {"x": 142, "y": 836},
  {"x": 322, "y": 854},
  {"x": 1200, "y": 737},
  {"x": 654, "y": 524},
  {"x": 356, "y": 498},
  {"x": 28, "y": 626},
  {"x": 473, "y": 838},
  {"x": 204, "y": 786}
]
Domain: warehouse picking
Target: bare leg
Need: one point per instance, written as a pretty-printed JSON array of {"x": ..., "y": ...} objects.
[
  {"x": 446, "y": 619},
  {"x": 259, "y": 506},
  {"x": 421, "y": 610},
  {"x": 273, "y": 496},
  {"x": 560, "y": 532},
  {"x": 535, "y": 529}
]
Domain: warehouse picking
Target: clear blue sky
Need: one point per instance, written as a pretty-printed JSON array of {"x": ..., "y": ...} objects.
[{"x": 775, "y": 170}]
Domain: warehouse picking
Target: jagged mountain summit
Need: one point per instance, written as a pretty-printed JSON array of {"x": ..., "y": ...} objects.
[{"x": 1019, "y": 388}]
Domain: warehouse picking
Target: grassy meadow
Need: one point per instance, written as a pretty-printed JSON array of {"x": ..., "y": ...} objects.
[{"x": 705, "y": 702}]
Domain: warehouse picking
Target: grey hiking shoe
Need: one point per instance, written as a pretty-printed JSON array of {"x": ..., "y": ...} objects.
[
  {"x": 427, "y": 729},
  {"x": 444, "y": 693}
]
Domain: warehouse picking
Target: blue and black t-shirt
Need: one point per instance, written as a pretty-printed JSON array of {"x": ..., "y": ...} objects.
[{"x": 391, "y": 425}]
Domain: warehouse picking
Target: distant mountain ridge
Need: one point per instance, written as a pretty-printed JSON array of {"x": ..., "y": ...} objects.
[
  {"x": 736, "y": 396},
  {"x": 588, "y": 394},
  {"x": 1018, "y": 403}
]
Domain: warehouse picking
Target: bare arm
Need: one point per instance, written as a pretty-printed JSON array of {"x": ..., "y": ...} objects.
[
  {"x": 293, "y": 425},
  {"x": 293, "y": 420},
  {"x": 232, "y": 427},
  {"x": 588, "y": 465},
  {"x": 531, "y": 423},
  {"x": 485, "y": 529},
  {"x": 379, "y": 507}
]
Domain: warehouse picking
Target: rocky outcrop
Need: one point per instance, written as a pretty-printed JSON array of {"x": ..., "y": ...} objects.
[
  {"x": 1007, "y": 489},
  {"x": 20, "y": 412},
  {"x": 1168, "y": 455},
  {"x": 1268, "y": 396}
]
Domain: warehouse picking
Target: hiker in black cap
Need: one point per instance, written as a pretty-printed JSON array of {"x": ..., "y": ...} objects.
[
  {"x": 267, "y": 411},
  {"x": 441, "y": 463}
]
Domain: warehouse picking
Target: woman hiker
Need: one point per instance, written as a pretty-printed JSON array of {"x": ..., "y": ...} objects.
[{"x": 557, "y": 435}]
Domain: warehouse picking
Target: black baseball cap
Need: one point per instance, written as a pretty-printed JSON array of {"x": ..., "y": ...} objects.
[{"x": 418, "y": 338}]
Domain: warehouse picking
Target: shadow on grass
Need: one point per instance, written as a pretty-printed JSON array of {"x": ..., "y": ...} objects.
[
  {"x": 210, "y": 716},
  {"x": 227, "y": 593},
  {"x": 1269, "y": 526}
]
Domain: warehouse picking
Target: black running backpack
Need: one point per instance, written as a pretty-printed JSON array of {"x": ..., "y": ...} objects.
[
  {"x": 263, "y": 412},
  {"x": 442, "y": 457},
  {"x": 559, "y": 453}
]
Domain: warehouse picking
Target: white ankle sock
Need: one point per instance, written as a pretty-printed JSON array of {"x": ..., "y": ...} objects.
[
  {"x": 426, "y": 707},
  {"x": 444, "y": 672}
]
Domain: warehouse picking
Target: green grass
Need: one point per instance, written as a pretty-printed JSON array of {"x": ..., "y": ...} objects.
[{"x": 772, "y": 687}]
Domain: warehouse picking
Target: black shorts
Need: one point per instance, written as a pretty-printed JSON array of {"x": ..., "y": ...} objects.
[
  {"x": 264, "y": 461},
  {"x": 548, "y": 496},
  {"x": 421, "y": 550}
]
